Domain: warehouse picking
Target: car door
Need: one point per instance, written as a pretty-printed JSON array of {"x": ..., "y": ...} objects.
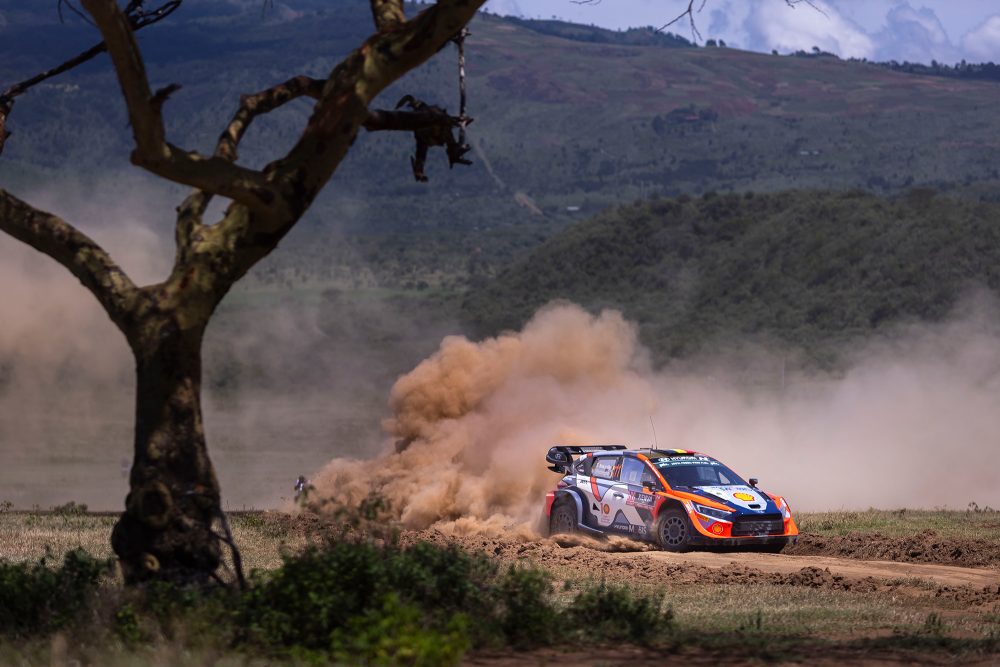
[
  {"x": 601, "y": 492},
  {"x": 635, "y": 480}
]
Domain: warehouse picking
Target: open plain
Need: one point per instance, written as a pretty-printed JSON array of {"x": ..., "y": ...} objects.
[{"x": 872, "y": 587}]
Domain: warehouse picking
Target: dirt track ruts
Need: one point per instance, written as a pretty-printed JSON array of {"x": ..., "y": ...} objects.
[{"x": 850, "y": 568}]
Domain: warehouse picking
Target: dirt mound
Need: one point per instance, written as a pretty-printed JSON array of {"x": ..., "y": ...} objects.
[{"x": 924, "y": 547}]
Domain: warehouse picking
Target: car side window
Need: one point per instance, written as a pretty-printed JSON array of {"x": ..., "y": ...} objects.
[
  {"x": 632, "y": 471},
  {"x": 582, "y": 467},
  {"x": 606, "y": 467},
  {"x": 649, "y": 479}
]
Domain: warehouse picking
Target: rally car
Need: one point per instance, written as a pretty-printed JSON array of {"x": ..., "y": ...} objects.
[{"x": 676, "y": 498}]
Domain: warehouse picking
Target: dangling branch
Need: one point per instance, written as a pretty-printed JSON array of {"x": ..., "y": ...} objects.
[{"x": 689, "y": 12}]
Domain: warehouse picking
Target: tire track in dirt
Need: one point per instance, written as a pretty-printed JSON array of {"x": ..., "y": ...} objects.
[
  {"x": 849, "y": 568},
  {"x": 622, "y": 561}
]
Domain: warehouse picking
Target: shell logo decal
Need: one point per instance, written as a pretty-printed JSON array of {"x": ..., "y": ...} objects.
[
  {"x": 607, "y": 509},
  {"x": 746, "y": 497}
]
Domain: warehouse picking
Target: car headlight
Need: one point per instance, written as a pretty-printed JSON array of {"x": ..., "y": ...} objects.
[
  {"x": 786, "y": 511},
  {"x": 712, "y": 512}
]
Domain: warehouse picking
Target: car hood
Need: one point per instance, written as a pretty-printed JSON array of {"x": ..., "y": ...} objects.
[{"x": 742, "y": 498}]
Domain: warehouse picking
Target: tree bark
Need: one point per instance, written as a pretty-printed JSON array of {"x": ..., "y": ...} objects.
[{"x": 166, "y": 529}]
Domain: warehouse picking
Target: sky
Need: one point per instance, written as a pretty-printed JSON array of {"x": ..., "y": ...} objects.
[{"x": 915, "y": 30}]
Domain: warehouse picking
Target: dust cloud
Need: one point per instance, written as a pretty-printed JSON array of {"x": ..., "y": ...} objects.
[
  {"x": 913, "y": 421},
  {"x": 291, "y": 376}
]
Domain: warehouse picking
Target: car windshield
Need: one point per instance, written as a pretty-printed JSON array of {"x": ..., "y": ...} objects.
[{"x": 696, "y": 471}]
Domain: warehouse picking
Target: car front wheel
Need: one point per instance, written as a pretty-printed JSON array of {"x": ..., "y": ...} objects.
[
  {"x": 673, "y": 531},
  {"x": 563, "y": 519}
]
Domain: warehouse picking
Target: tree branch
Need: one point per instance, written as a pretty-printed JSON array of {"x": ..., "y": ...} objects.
[
  {"x": 190, "y": 212},
  {"x": 689, "y": 12},
  {"x": 137, "y": 18},
  {"x": 387, "y": 13},
  {"x": 261, "y": 103},
  {"x": 381, "y": 120},
  {"x": 153, "y": 153},
  {"x": 73, "y": 249},
  {"x": 343, "y": 108}
]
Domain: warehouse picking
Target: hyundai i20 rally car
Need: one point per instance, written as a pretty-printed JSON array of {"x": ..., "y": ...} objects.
[{"x": 676, "y": 498}]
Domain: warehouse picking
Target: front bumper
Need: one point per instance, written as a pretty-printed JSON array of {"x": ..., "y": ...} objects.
[{"x": 738, "y": 542}]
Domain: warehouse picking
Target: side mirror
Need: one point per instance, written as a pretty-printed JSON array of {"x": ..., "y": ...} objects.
[{"x": 753, "y": 482}]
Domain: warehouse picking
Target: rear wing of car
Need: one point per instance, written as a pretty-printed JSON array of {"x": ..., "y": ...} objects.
[{"x": 561, "y": 456}]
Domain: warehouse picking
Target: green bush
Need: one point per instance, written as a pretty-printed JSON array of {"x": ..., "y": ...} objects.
[
  {"x": 527, "y": 617},
  {"x": 616, "y": 613},
  {"x": 398, "y": 634},
  {"x": 353, "y": 601},
  {"x": 38, "y": 599},
  {"x": 319, "y": 592}
]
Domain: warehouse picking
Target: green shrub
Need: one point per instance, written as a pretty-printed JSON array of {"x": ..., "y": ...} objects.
[
  {"x": 616, "y": 613},
  {"x": 398, "y": 634},
  {"x": 320, "y": 591},
  {"x": 38, "y": 599},
  {"x": 528, "y": 617}
]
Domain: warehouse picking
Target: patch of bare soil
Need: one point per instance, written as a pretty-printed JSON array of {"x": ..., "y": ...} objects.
[
  {"x": 924, "y": 547},
  {"x": 630, "y": 656},
  {"x": 624, "y": 561}
]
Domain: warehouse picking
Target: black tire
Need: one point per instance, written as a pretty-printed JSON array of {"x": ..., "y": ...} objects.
[
  {"x": 562, "y": 520},
  {"x": 673, "y": 531}
]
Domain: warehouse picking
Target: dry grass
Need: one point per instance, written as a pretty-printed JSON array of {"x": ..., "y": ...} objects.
[
  {"x": 27, "y": 536},
  {"x": 755, "y": 612},
  {"x": 975, "y": 523}
]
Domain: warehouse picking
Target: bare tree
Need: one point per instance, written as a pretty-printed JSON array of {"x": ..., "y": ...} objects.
[{"x": 172, "y": 516}]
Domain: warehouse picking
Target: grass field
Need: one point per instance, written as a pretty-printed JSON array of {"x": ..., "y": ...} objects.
[
  {"x": 975, "y": 523},
  {"x": 768, "y": 619},
  {"x": 263, "y": 538}
]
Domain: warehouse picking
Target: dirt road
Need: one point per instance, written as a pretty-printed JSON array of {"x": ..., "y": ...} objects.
[
  {"x": 619, "y": 560},
  {"x": 849, "y": 568}
]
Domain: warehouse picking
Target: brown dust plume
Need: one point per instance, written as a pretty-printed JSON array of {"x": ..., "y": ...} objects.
[{"x": 913, "y": 421}]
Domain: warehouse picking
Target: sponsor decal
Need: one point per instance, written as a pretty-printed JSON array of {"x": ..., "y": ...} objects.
[
  {"x": 637, "y": 530},
  {"x": 685, "y": 461},
  {"x": 606, "y": 509},
  {"x": 637, "y": 499},
  {"x": 717, "y": 528},
  {"x": 743, "y": 496}
]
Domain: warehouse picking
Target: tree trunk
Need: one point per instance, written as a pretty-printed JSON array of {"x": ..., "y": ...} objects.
[{"x": 166, "y": 529}]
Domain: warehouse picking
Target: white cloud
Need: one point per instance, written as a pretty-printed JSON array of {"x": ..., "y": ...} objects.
[
  {"x": 773, "y": 25},
  {"x": 983, "y": 43},
  {"x": 914, "y": 30},
  {"x": 914, "y": 35}
]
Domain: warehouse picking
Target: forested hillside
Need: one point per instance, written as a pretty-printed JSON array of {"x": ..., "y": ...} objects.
[
  {"x": 804, "y": 269},
  {"x": 569, "y": 120}
]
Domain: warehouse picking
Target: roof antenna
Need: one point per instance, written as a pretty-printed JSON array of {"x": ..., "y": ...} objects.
[{"x": 654, "y": 431}]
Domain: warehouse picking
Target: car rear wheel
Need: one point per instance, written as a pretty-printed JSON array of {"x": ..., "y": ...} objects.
[
  {"x": 562, "y": 521},
  {"x": 673, "y": 531}
]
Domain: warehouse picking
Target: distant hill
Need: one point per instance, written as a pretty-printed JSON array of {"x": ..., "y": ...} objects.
[
  {"x": 806, "y": 270},
  {"x": 569, "y": 120}
]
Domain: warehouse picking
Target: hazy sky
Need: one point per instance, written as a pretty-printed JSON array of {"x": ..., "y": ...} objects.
[{"x": 915, "y": 30}]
